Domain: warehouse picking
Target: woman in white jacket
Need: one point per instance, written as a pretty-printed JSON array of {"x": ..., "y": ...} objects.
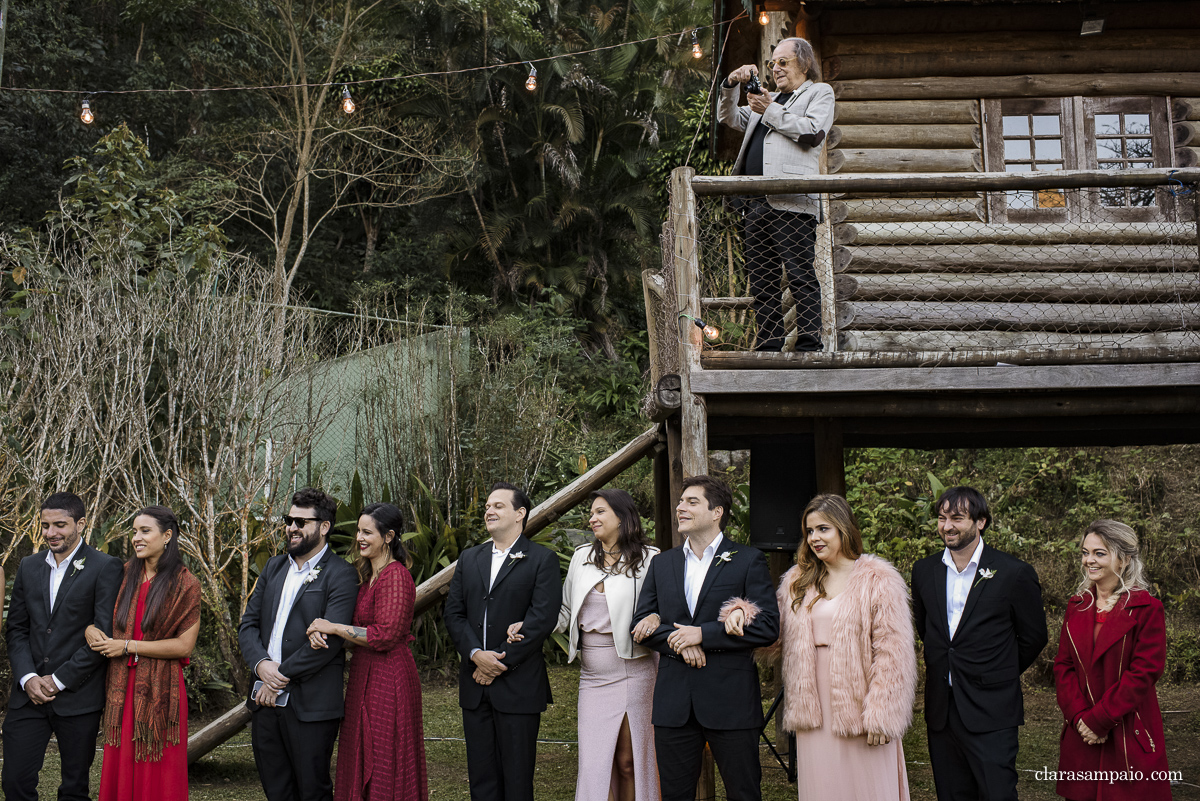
[{"x": 616, "y": 683}]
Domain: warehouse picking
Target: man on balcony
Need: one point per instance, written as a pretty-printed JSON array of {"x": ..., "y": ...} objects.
[{"x": 783, "y": 136}]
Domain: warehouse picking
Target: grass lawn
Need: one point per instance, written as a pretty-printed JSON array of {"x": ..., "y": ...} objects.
[{"x": 228, "y": 773}]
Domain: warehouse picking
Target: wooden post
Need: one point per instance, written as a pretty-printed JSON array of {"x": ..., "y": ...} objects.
[
  {"x": 664, "y": 504},
  {"x": 675, "y": 469},
  {"x": 693, "y": 451},
  {"x": 831, "y": 466}
]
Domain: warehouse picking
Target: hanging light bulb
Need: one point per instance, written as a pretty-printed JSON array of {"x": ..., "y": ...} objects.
[
  {"x": 85, "y": 113},
  {"x": 531, "y": 81},
  {"x": 347, "y": 101},
  {"x": 697, "y": 50},
  {"x": 711, "y": 332},
  {"x": 764, "y": 18}
]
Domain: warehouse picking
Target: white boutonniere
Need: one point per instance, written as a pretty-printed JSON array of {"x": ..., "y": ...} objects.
[
  {"x": 725, "y": 556},
  {"x": 313, "y": 575},
  {"x": 79, "y": 563},
  {"x": 517, "y": 555},
  {"x": 984, "y": 575}
]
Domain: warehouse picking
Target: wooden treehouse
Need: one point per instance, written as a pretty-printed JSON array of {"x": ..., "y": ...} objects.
[{"x": 1009, "y": 254}]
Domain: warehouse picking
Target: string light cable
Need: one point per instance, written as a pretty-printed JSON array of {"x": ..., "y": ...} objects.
[{"x": 693, "y": 30}]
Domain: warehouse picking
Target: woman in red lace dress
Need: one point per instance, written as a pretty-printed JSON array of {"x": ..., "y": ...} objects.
[
  {"x": 155, "y": 625},
  {"x": 381, "y": 750}
]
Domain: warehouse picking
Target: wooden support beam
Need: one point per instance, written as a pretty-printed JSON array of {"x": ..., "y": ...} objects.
[
  {"x": 1044, "y": 235},
  {"x": 1021, "y": 258},
  {"x": 664, "y": 503},
  {"x": 217, "y": 732},
  {"x": 914, "y": 210},
  {"x": 1185, "y": 108},
  {"x": 787, "y": 413},
  {"x": 1027, "y": 287},
  {"x": 1067, "y": 85},
  {"x": 893, "y": 160},
  {"x": 889, "y": 183},
  {"x": 978, "y": 357},
  {"x": 1186, "y": 133},
  {"x": 1174, "y": 342},
  {"x": 907, "y": 112},
  {"x": 1187, "y": 156},
  {"x": 1009, "y": 63},
  {"x": 931, "y": 379},
  {"x": 983, "y": 316},
  {"x": 901, "y": 21},
  {"x": 675, "y": 465},
  {"x": 694, "y": 453},
  {"x": 905, "y": 136},
  {"x": 1007, "y": 42},
  {"x": 830, "y": 455},
  {"x": 652, "y": 296}
]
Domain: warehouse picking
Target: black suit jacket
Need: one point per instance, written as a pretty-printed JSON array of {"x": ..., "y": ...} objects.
[
  {"x": 315, "y": 675},
  {"x": 1001, "y": 632},
  {"x": 42, "y": 641},
  {"x": 527, "y": 588},
  {"x": 725, "y": 692}
]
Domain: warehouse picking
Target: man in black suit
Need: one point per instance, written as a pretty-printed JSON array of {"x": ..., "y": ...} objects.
[
  {"x": 707, "y": 688},
  {"x": 503, "y": 687},
  {"x": 297, "y": 701},
  {"x": 979, "y": 613},
  {"x": 58, "y": 681}
]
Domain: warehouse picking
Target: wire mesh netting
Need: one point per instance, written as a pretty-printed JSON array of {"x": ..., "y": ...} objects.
[{"x": 1045, "y": 269}]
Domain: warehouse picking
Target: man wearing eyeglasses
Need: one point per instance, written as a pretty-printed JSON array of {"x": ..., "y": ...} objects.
[
  {"x": 297, "y": 696},
  {"x": 783, "y": 136}
]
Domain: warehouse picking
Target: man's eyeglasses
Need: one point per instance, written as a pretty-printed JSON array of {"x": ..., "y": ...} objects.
[
  {"x": 299, "y": 522},
  {"x": 781, "y": 62}
]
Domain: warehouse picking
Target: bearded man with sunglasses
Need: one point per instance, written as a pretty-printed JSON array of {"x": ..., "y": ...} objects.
[
  {"x": 784, "y": 132},
  {"x": 297, "y": 697}
]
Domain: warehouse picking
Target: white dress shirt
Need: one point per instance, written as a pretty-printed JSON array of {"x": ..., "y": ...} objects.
[
  {"x": 958, "y": 585},
  {"x": 293, "y": 584},
  {"x": 498, "y": 557},
  {"x": 695, "y": 568},
  {"x": 58, "y": 572}
]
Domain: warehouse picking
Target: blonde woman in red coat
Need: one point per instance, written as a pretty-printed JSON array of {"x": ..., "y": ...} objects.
[
  {"x": 1111, "y": 653},
  {"x": 849, "y": 665}
]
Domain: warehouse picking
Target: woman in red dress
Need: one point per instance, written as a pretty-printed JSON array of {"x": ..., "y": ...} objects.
[
  {"x": 381, "y": 749},
  {"x": 1111, "y": 652},
  {"x": 155, "y": 625}
]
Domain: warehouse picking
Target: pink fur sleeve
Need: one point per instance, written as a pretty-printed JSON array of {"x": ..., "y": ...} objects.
[
  {"x": 892, "y": 684},
  {"x": 748, "y": 608}
]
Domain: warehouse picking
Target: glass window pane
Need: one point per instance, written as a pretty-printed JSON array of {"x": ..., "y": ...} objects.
[
  {"x": 1046, "y": 124},
  {"x": 1112, "y": 197},
  {"x": 1020, "y": 200},
  {"x": 1108, "y": 124},
  {"x": 1016, "y": 149},
  {"x": 1017, "y": 168},
  {"x": 1016, "y": 126},
  {"x": 1048, "y": 149},
  {"x": 1050, "y": 167},
  {"x": 1138, "y": 149},
  {"x": 1140, "y": 165},
  {"x": 1108, "y": 149},
  {"x": 1137, "y": 123}
]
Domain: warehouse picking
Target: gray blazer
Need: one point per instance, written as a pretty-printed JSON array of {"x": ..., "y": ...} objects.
[{"x": 810, "y": 109}]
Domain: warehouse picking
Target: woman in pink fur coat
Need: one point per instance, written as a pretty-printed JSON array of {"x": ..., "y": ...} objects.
[{"x": 849, "y": 666}]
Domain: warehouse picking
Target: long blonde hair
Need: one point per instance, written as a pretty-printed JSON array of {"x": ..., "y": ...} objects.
[
  {"x": 812, "y": 571},
  {"x": 1122, "y": 543}
]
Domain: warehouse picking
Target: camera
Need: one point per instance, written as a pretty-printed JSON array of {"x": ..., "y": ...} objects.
[{"x": 754, "y": 86}]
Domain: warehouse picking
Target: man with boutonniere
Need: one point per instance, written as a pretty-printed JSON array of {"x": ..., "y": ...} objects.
[
  {"x": 707, "y": 689},
  {"x": 296, "y": 696},
  {"x": 58, "y": 681},
  {"x": 979, "y": 612},
  {"x": 502, "y": 686}
]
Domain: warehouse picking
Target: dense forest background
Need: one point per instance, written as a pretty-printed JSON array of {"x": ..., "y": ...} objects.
[{"x": 451, "y": 197}]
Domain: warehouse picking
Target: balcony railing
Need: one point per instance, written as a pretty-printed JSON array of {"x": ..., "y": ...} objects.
[{"x": 937, "y": 269}]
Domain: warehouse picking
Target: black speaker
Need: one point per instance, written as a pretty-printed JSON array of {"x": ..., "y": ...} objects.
[{"x": 783, "y": 479}]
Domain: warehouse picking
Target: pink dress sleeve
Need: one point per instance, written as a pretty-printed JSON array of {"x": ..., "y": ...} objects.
[{"x": 395, "y": 594}]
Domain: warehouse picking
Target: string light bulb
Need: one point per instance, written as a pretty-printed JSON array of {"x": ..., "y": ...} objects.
[
  {"x": 347, "y": 101},
  {"x": 764, "y": 19},
  {"x": 710, "y": 331},
  {"x": 697, "y": 50},
  {"x": 85, "y": 113}
]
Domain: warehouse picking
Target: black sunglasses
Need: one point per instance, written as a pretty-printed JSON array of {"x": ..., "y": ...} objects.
[{"x": 299, "y": 522}]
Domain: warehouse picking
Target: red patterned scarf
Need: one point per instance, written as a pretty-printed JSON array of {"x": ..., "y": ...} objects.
[{"x": 156, "y": 696}]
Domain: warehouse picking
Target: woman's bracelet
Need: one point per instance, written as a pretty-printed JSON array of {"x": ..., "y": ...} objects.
[{"x": 125, "y": 652}]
